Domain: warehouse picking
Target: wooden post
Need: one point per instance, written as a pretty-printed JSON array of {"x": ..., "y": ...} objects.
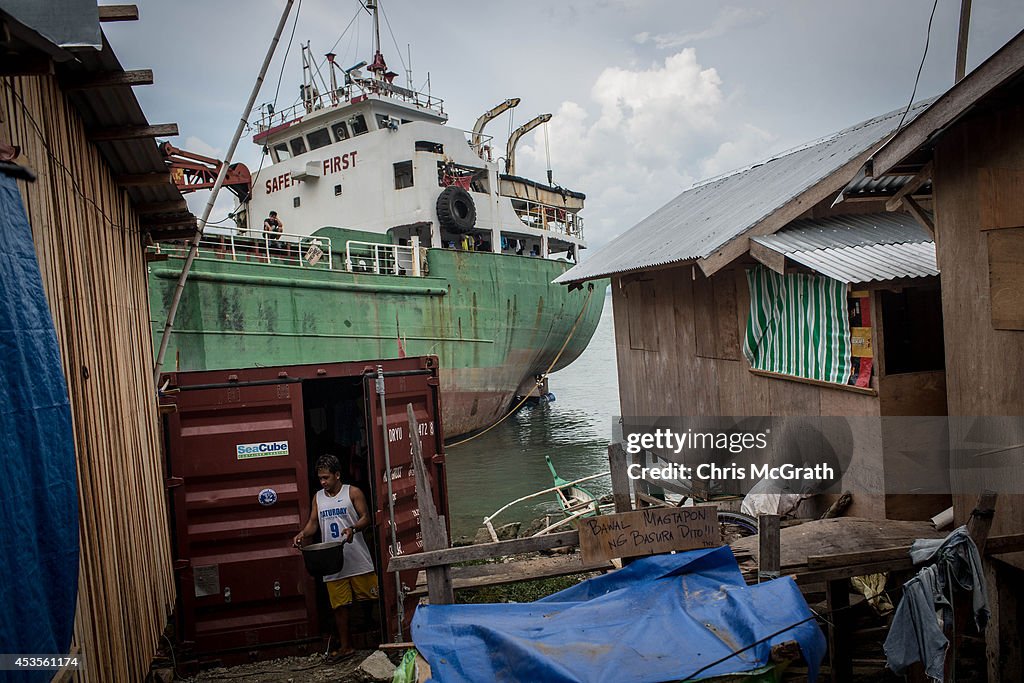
[
  {"x": 978, "y": 527},
  {"x": 618, "y": 463},
  {"x": 769, "y": 553},
  {"x": 837, "y": 595},
  {"x": 432, "y": 526}
]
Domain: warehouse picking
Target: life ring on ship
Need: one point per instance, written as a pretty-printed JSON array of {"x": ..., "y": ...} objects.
[{"x": 456, "y": 211}]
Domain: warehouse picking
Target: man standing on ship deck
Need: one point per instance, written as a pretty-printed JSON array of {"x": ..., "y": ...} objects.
[{"x": 339, "y": 511}]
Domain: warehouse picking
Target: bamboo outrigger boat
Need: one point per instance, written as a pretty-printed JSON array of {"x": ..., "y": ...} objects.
[{"x": 574, "y": 500}]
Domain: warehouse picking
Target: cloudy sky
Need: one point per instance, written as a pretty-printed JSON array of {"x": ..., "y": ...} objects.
[{"x": 648, "y": 96}]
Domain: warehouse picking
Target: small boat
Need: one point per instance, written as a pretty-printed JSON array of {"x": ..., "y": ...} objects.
[{"x": 574, "y": 500}]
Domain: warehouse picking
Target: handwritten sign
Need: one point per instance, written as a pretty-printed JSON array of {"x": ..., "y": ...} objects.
[{"x": 648, "y": 532}]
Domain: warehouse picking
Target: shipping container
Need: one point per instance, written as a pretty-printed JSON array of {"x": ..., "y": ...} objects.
[{"x": 242, "y": 446}]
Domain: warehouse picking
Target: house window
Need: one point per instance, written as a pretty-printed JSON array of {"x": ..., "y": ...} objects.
[
  {"x": 798, "y": 325},
  {"x": 912, "y": 339},
  {"x": 298, "y": 146},
  {"x": 642, "y": 302},
  {"x": 318, "y": 138},
  {"x": 358, "y": 123},
  {"x": 403, "y": 175},
  {"x": 340, "y": 131},
  {"x": 715, "y": 324}
]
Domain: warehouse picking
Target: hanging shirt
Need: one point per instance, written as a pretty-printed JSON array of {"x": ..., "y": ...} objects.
[{"x": 337, "y": 514}]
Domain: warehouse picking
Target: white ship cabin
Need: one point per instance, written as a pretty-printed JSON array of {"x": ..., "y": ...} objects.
[{"x": 376, "y": 157}]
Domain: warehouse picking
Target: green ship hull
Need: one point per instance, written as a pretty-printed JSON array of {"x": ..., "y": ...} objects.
[{"x": 495, "y": 321}]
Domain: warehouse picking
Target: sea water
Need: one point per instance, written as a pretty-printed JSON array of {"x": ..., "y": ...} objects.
[{"x": 508, "y": 461}]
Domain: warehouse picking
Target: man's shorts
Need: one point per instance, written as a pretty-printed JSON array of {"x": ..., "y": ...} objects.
[{"x": 364, "y": 587}]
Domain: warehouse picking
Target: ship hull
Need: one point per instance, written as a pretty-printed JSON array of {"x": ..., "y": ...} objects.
[{"x": 493, "y": 320}]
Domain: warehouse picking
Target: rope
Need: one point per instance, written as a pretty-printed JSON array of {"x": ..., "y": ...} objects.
[{"x": 572, "y": 332}]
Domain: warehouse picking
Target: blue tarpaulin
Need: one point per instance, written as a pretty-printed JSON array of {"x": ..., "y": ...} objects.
[
  {"x": 38, "y": 489},
  {"x": 661, "y": 618}
]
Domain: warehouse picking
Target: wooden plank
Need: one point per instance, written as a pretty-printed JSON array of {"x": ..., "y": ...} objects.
[
  {"x": 118, "y": 13},
  {"x": 814, "y": 382},
  {"x": 769, "y": 557},
  {"x": 482, "y": 551},
  {"x": 173, "y": 206},
  {"x": 910, "y": 187},
  {"x": 1006, "y": 278},
  {"x": 110, "y": 79},
  {"x": 143, "y": 179},
  {"x": 648, "y": 532},
  {"x": 133, "y": 132},
  {"x": 618, "y": 463},
  {"x": 26, "y": 65},
  {"x": 769, "y": 257},
  {"x": 997, "y": 70},
  {"x": 1000, "y": 198},
  {"x": 961, "y": 41},
  {"x": 480, "y": 576},
  {"x": 837, "y": 595},
  {"x": 432, "y": 526}
]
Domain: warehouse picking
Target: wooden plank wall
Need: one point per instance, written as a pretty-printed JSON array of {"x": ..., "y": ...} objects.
[
  {"x": 90, "y": 253},
  {"x": 696, "y": 369},
  {"x": 984, "y": 365}
]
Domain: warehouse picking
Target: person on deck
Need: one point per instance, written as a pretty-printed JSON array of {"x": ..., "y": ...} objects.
[
  {"x": 339, "y": 511},
  {"x": 272, "y": 229}
]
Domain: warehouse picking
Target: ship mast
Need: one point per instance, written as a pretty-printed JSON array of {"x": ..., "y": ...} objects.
[{"x": 379, "y": 67}]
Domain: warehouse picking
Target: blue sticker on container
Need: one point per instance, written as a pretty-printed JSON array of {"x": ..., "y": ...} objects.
[{"x": 268, "y": 497}]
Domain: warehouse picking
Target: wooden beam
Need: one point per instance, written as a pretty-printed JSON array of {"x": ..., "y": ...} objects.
[
  {"x": 26, "y": 65},
  {"x": 119, "y": 13},
  {"x": 769, "y": 257},
  {"x": 997, "y": 70},
  {"x": 837, "y": 595},
  {"x": 915, "y": 210},
  {"x": 769, "y": 553},
  {"x": 479, "y": 576},
  {"x": 617, "y": 465},
  {"x": 910, "y": 187},
  {"x": 133, "y": 132},
  {"x": 483, "y": 551},
  {"x": 110, "y": 79},
  {"x": 432, "y": 526},
  {"x": 142, "y": 179},
  {"x": 961, "y": 42},
  {"x": 173, "y": 206}
]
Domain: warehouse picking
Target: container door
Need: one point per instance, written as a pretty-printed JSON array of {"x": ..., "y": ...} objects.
[
  {"x": 238, "y": 456},
  {"x": 420, "y": 388}
]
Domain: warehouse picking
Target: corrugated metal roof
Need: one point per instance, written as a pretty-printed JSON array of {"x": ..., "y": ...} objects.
[
  {"x": 872, "y": 262},
  {"x": 845, "y": 231},
  {"x": 858, "y": 248},
  {"x": 704, "y": 218}
]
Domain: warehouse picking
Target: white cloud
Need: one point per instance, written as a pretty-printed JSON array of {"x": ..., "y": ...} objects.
[
  {"x": 728, "y": 19},
  {"x": 644, "y": 136}
]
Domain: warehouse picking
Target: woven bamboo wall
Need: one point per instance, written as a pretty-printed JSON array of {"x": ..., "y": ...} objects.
[{"x": 89, "y": 248}]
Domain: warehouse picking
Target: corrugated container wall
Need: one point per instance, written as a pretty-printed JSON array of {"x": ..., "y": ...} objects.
[{"x": 243, "y": 446}]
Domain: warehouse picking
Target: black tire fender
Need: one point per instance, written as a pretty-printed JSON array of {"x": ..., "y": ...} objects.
[{"x": 456, "y": 211}]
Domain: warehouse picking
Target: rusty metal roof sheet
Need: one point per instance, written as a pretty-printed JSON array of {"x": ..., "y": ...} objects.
[
  {"x": 858, "y": 248},
  {"x": 707, "y": 216}
]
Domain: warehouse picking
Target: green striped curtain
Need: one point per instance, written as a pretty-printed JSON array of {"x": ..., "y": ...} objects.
[{"x": 799, "y": 325}]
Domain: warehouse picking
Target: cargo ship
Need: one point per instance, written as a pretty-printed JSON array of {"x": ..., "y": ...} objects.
[{"x": 373, "y": 230}]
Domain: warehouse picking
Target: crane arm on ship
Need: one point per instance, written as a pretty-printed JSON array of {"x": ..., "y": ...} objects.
[
  {"x": 191, "y": 172},
  {"x": 487, "y": 117},
  {"x": 510, "y": 153}
]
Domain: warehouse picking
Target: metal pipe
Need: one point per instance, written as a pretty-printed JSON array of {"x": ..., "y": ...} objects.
[
  {"x": 391, "y": 497},
  {"x": 213, "y": 194}
]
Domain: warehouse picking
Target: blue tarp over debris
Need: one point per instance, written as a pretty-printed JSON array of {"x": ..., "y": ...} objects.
[
  {"x": 661, "y": 618},
  {"x": 38, "y": 489}
]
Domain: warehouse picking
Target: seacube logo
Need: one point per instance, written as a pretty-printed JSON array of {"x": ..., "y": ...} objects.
[{"x": 267, "y": 449}]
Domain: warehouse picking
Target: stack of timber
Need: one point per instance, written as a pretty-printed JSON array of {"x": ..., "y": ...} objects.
[{"x": 89, "y": 245}]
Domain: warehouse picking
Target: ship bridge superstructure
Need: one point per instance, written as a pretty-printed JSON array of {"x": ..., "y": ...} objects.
[{"x": 374, "y": 156}]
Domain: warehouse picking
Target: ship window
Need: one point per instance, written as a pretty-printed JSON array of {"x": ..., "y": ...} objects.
[
  {"x": 337, "y": 190},
  {"x": 383, "y": 120},
  {"x": 282, "y": 152},
  {"x": 340, "y": 131},
  {"x": 428, "y": 146},
  {"x": 319, "y": 138},
  {"x": 358, "y": 123},
  {"x": 298, "y": 146},
  {"x": 403, "y": 175},
  {"x": 296, "y": 201}
]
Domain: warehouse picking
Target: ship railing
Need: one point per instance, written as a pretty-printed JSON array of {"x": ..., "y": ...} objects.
[
  {"x": 547, "y": 217},
  {"x": 385, "y": 259},
  {"x": 304, "y": 251}
]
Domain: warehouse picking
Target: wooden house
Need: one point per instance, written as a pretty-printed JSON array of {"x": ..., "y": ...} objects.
[
  {"x": 970, "y": 145},
  {"x": 69, "y": 116},
  {"x": 803, "y": 229}
]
